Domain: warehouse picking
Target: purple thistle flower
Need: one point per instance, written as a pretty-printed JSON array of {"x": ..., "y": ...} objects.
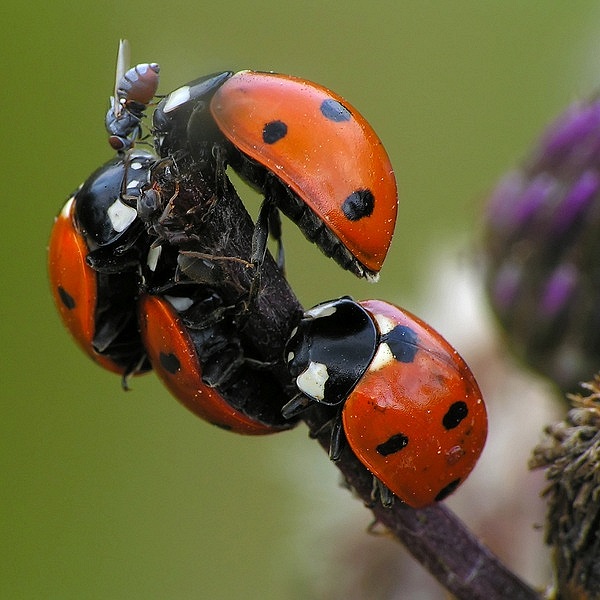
[{"x": 542, "y": 242}]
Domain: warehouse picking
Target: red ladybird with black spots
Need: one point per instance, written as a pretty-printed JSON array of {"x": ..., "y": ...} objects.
[
  {"x": 311, "y": 154},
  {"x": 408, "y": 405},
  {"x": 95, "y": 251}
]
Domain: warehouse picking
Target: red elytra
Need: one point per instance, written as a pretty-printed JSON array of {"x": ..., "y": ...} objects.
[
  {"x": 175, "y": 359},
  {"x": 419, "y": 426},
  {"x": 322, "y": 148},
  {"x": 74, "y": 285},
  {"x": 93, "y": 262}
]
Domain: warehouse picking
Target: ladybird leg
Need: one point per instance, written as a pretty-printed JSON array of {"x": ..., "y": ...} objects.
[
  {"x": 260, "y": 365},
  {"x": 125, "y": 382},
  {"x": 212, "y": 316},
  {"x": 268, "y": 222},
  {"x": 200, "y": 268},
  {"x": 218, "y": 372},
  {"x": 113, "y": 260},
  {"x": 132, "y": 370},
  {"x": 275, "y": 231},
  {"x": 320, "y": 430},
  {"x": 295, "y": 406},
  {"x": 221, "y": 180},
  {"x": 338, "y": 438},
  {"x": 147, "y": 204},
  {"x": 261, "y": 233},
  {"x": 382, "y": 493},
  {"x": 206, "y": 268},
  {"x": 273, "y": 216},
  {"x": 260, "y": 237},
  {"x": 109, "y": 325}
]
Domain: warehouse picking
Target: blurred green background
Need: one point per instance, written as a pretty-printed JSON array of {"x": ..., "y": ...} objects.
[{"x": 113, "y": 495}]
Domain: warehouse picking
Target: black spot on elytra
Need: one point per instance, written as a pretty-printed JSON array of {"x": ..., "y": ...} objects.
[
  {"x": 456, "y": 413},
  {"x": 358, "y": 205},
  {"x": 274, "y": 131},
  {"x": 334, "y": 111},
  {"x": 170, "y": 363},
  {"x": 402, "y": 342},
  {"x": 66, "y": 298},
  {"x": 394, "y": 444},
  {"x": 445, "y": 492}
]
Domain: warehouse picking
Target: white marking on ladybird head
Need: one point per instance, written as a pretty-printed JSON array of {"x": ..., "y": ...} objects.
[
  {"x": 384, "y": 324},
  {"x": 135, "y": 166},
  {"x": 383, "y": 357},
  {"x": 66, "y": 209},
  {"x": 177, "y": 98},
  {"x": 153, "y": 256},
  {"x": 321, "y": 310},
  {"x": 312, "y": 381},
  {"x": 290, "y": 357},
  {"x": 134, "y": 183},
  {"x": 178, "y": 303},
  {"x": 121, "y": 216}
]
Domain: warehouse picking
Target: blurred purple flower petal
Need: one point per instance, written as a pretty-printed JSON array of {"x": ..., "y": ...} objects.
[{"x": 542, "y": 242}]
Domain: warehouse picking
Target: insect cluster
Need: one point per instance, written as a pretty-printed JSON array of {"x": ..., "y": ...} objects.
[{"x": 148, "y": 276}]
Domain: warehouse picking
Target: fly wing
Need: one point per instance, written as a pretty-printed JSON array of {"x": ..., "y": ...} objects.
[{"x": 123, "y": 61}]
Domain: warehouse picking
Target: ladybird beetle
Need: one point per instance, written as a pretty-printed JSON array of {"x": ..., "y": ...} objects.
[
  {"x": 410, "y": 408},
  {"x": 310, "y": 153},
  {"x": 94, "y": 252},
  {"x": 134, "y": 90},
  {"x": 195, "y": 348}
]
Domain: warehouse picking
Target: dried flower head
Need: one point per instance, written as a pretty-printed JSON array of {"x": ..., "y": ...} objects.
[{"x": 570, "y": 452}]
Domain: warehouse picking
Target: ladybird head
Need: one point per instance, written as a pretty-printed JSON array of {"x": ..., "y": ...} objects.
[
  {"x": 330, "y": 349},
  {"x": 182, "y": 117},
  {"x": 103, "y": 212}
]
